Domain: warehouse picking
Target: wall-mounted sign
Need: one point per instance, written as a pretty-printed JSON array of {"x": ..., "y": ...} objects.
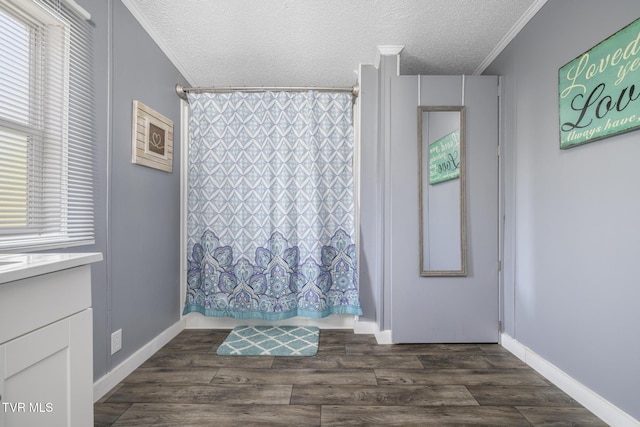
[
  {"x": 598, "y": 97},
  {"x": 444, "y": 158}
]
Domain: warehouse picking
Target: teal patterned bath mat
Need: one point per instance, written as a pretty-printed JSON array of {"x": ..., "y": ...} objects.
[{"x": 271, "y": 341}]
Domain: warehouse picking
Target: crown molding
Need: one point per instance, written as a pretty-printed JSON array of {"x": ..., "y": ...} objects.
[
  {"x": 387, "y": 50},
  {"x": 139, "y": 16},
  {"x": 513, "y": 32},
  {"x": 390, "y": 49}
]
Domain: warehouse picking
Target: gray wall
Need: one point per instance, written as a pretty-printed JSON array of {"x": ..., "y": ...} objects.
[
  {"x": 370, "y": 250},
  {"x": 136, "y": 287},
  {"x": 374, "y": 192},
  {"x": 571, "y": 248}
]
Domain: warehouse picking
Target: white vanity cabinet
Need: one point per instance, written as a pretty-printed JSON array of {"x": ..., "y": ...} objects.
[{"x": 46, "y": 347}]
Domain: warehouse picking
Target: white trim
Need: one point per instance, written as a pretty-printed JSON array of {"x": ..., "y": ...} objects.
[
  {"x": 390, "y": 49},
  {"x": 155, "y": 36},
  {"x": 370, "y": 327},
  {"x": 184, "y": 182},
  {"x": 387, "y": 50},
  {"x": 602, "y": 408},
  {"x": 339, "y": 321},
  {"x": 513, "y": 32},
  {"x": 346, "y": 321},
  {"x": 384, "y": 337},
  {"x": 79, "y": 10},
  {"x": 120, "y": 372},
  {"x": 365, "y": 327}
]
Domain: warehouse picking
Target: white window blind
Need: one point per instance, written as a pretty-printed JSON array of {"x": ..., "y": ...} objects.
[{"x": 46, "y": 126}]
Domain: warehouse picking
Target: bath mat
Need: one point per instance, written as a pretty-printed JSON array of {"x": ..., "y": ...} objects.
[{"x": 271, "y": 341}]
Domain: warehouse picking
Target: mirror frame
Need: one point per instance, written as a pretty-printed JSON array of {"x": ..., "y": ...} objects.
[{"x": 463, "y": 213}]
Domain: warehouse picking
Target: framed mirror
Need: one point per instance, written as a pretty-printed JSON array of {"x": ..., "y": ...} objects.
[{"x": 441, "y": 187}]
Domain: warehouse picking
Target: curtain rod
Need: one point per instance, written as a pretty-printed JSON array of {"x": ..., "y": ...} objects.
[{"x": 182, "y": 91}]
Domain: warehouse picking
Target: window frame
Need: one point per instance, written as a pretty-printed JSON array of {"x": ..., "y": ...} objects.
[{"x": 47, "y": 132}]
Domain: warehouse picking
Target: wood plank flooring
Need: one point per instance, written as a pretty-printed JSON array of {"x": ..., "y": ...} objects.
[{"x": 351, "y": 381}]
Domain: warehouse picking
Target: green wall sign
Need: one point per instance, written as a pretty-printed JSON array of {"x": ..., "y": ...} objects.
[
  {"x": 444, "y": 158},
  {"x": 597, "y": 93}
]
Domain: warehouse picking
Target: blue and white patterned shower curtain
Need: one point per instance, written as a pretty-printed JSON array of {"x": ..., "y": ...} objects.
[{"x": 271, "y": 206}]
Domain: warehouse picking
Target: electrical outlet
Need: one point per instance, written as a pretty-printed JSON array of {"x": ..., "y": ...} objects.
[{"x": 116, "y": 341}]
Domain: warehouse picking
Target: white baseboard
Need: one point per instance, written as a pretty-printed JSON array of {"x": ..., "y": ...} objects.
[
  {"x": 120, "y": 372},
  {"x": 198, "y": 321},
  {"x": 370, "y": 327},
  {"x": 384, "y": 337},
  {"x": 602, "y": 408}
]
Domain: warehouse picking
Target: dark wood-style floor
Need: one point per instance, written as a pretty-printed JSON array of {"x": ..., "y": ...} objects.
[{"x": 351, "y": 381}]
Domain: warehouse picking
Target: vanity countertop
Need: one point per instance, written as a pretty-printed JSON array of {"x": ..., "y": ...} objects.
[{"x": 20, "y": 266}]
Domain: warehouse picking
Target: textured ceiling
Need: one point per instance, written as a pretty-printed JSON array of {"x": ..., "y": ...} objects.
[{"x": 322, "y": 42}]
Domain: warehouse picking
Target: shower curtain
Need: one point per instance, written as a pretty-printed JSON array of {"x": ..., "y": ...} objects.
[{"x": 270, "y": 222}]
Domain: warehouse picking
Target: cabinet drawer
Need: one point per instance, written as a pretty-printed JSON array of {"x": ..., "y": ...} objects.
[{"x": 31, "y": 303}]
